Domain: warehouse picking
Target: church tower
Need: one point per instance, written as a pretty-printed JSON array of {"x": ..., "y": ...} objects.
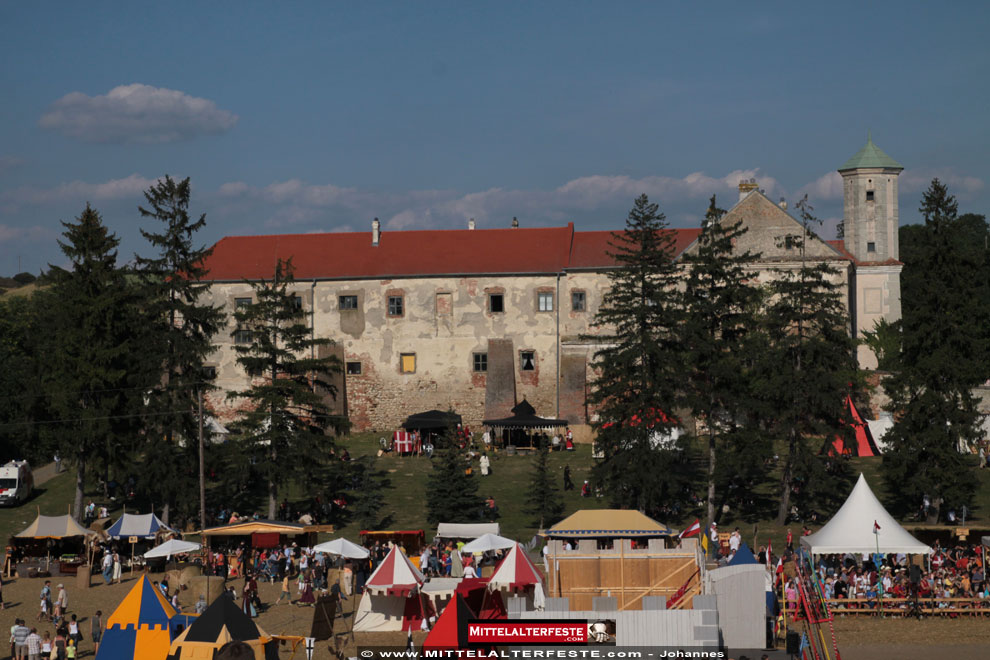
[
  {"x": 869, "y": 217},
  {"x": 870, "y": 223}
]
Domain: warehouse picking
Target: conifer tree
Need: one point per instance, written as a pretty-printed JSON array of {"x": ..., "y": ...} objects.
[
  {"x": 639, "y": 367},
  {"x": 542, "y": 499},
  {"x": 718, "y": 336},
  {"x": 286, "y": 428},
  {"x": 182, "y": 327},
  {"x": 451, "y": 493},
  {"x": 809, "y": 365},
  {"x": 369, "y": 484},
  {"x": 93, "y": 381},
  {"x": 931, "y": 394}
]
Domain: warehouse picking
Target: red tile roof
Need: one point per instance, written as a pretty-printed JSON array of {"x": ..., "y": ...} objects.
[{"x": 418, "y": 253}]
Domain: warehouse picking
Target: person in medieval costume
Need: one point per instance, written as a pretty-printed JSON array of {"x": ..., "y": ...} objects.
[{"x": 307, "y": 597}]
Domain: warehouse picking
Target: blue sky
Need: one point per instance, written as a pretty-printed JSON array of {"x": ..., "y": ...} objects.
[{"x": 302, "y": 117}]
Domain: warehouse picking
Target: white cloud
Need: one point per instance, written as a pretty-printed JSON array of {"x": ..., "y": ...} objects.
[
  {"x": 827, "y": 186},
  {"x": 917, "y": 181},
  {"x": 136, "y": 113},
  {"x": 81, "y": 191}
]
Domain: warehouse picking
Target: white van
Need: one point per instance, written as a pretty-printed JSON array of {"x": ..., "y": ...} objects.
[{"x": 16, "y": 482}]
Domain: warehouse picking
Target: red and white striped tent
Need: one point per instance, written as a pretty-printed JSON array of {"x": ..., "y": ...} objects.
[
  {"x": 392, "y": 599},
  {"x": 516, "y": 573}
]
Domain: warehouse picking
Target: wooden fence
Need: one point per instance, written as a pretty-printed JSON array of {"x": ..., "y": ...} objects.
[{"x": 905, "y": 606}]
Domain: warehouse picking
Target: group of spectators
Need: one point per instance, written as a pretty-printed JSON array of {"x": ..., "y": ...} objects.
[
  {"x": 437, "y": 559},
  {"x": 63, "y": 640}
]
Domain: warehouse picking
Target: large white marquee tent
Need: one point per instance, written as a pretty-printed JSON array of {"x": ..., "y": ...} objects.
[{"x": 862, "y": 525}]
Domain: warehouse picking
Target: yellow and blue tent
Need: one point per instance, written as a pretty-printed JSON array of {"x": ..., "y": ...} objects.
[{"x": 139, "y": 628}]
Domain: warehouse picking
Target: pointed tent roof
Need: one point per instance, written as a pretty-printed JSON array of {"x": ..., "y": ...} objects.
[
  {"x": 53, "y": 527},
  {"x": 222, "y": 622},
  {"x": 514, "y": 571},
  {"x": 743, "y": 556},
  {"x": 450, "y": 630},
  {"x": 395, "y": 576},
  {"x": 131, "y": 524},
  {"x": 432, "y": 419},
  {"x": 524, "y": 416},
  {"x": 870, "y": 156},
  {"x": 851, "y": 529},
  {"x": 865, "y": 445},
  {"x": 139, "y": 627}
]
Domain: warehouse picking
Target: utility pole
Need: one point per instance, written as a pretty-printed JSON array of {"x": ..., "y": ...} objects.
[{"x": 202, "y": 465}]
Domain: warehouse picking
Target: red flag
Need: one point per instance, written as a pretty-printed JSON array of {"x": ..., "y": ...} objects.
[
  {"x": 693, "y": 530},
  {"x": 876, "y": 527}
]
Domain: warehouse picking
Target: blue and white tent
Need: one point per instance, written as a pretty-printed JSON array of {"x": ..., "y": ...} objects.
[{"x": 142, "y": 526}]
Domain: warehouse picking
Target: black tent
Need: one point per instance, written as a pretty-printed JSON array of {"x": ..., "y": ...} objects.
[
  {"x": 524, "y": 417},
  {"x": 431, "y": 420},
  {"x": 222, "y": 622}
]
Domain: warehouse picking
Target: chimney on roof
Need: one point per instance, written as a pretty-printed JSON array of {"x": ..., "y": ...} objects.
[
  {"x": 471, "y": 223},
  {"x": 376, "y": 231},
  {"x": 515, "y": 223},
  {"x": 746, "y": 186},
  {"x": 782, "y": 203}
]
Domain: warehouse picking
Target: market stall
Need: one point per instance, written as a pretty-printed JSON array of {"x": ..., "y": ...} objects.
[
  {"x": 54, "y": 544},
  {"x": 524, "y": 427},
  {"x": 261, "y": 534}
]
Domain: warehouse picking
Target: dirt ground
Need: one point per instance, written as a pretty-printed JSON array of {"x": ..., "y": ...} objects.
[{"x": 859, "y": 638}]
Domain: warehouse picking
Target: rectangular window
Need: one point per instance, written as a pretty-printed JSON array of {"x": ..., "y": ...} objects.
[
  {"x": 496, "y": 303},
  {"x": 871, "y": 247},
  {"x": 297, "y": 303},
  {"x": 347, "y": 302},
  {"x": 242, "y": 335},
  {"x": 578, "y": 301},
  {"x": 481, "y": 362},
  {"x": 869, "y": 195},
  {"x": 209, "y": 372},
  {"x": 395, "y": 307},
  {"x": 407, "y": 363},
  {"x": 527, "y": 361},
  {"x": 353, "y": 368},
  {"x": 544, "y": 301}
]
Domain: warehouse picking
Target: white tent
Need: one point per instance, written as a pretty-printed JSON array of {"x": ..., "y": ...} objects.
[
  {"x": 488, "y": 542},
  {"x": 879, "y": 429},
  {"x": 853, "y": 528},
  {"x": 466, "y": 530},
  {"x": 343, "y": 548},
  {"x": 173, "y": 547}
]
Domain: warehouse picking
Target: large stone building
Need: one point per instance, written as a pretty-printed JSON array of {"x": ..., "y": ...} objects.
[{"x": 478, "y": 319}]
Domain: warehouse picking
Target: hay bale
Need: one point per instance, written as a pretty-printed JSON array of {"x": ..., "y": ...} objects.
[
  {"x": 188, "y": 573},
  {"x": 210, "y": 586}
]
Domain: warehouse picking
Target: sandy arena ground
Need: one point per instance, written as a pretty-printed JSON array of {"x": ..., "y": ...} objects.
[{"x": 863, "y": 638}]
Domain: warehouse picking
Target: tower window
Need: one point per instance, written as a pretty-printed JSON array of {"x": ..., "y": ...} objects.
[
  {"x": 527, "y": 360},
  {"x": 578, "y": 301},
  {"x": 353, "y": 368},
  {"x": 348, "y": 302},
  {"x": 395, "y": 306},
  {"x": 496, "y": 303},
  {"x": 544, "y": 301},
  {"x": 481, "y": 362},
  {"x": 869, "y": 195},
  {"x": 871, "y": 247}
]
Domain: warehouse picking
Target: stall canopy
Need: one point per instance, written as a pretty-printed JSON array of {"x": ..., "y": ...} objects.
[
  {"x": 54, "y": 527},
  {"x": 862, "y": 525},
  {"x": 222, "y": 622},
  {"x": 524, "y": 417},
  {"x": 249, "y": 527},
  {"x": 608, "y": 523},
  {"x": 143, "y": 526},
  {"x": 517, "y": 573},
  {"x": 342, "y": 548},
  {"x": 487, "y": 542},
  {"x": 140, "y": 626},
  {"x": 864, "y": 443},
  {"x": 431, "y": 420},
  {"x": 466, "y": 530},
  {"x": 172, "y": 547}
]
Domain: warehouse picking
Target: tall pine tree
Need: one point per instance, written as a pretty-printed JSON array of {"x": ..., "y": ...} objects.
[
  {"x": 718, "y": 335},
  {"x": 451, "y": 493},
  {"x": 639, "y": 367},
  {"x": 941, "y": 340},
  {"x": 542, "y": 499},
  {"x": 809, "y": 365},
  {"x": 182, "y": 327},
  {"x": 286, "y": 429},
  {"x": 94, "y": 381}
]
